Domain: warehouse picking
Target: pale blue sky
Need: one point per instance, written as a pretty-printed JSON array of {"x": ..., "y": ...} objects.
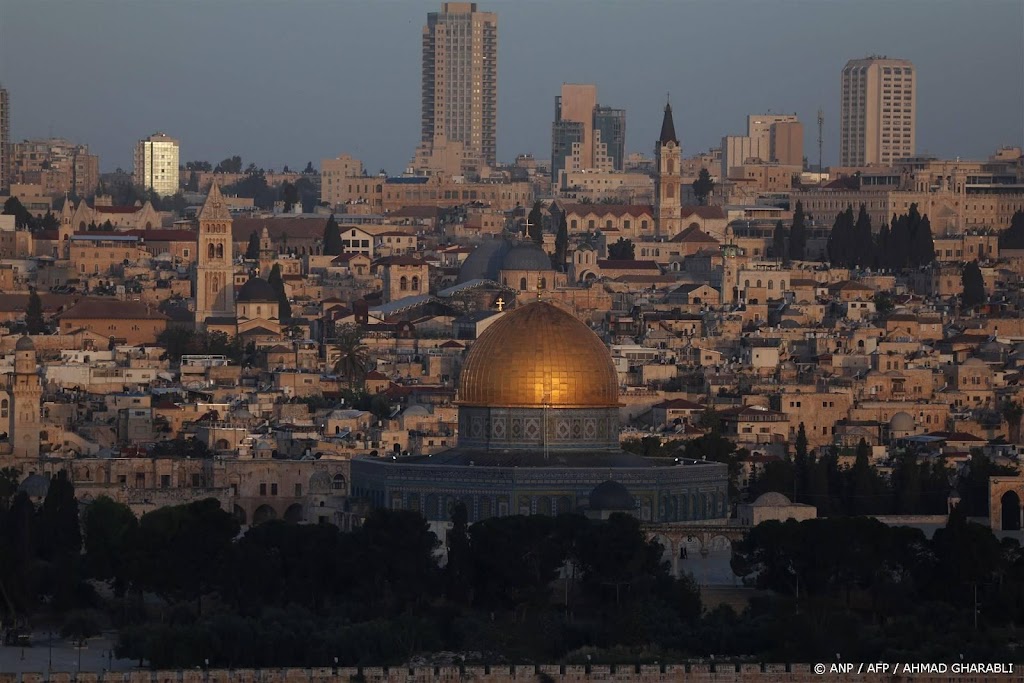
[{"x": 290, "y": 82}]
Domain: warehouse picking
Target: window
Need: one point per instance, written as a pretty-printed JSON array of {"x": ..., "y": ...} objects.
[
  {"x": 298, "y": 490},
  {"x": 415, "y": 283},
  {"x": 263, "y": 489},
  {"x": 273, "y": 489},
  {"x": 5, "y": 408},
  {"x": 403, "y": 283},
  {"x": 165, "y": 481}
]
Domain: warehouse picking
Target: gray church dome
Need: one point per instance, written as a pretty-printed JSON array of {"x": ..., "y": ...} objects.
[
  {"x": 25, "y": 343},
  {"x": 526, "y": 256}
]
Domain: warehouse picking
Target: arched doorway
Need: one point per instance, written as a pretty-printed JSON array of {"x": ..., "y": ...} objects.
[
  {"x": 294, "y": 513},
  {"x": 1010, "y": 503},
  {"x": 239, "y": 513},
  {"x": 264, "y": 513}
]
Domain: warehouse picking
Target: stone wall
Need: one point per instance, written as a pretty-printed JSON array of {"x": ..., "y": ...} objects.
[{"x": 699, "y": 673}]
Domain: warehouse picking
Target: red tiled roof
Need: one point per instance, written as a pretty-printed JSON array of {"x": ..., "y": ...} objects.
[
  {"x": 678, "y": 404},
  {"x": 617, "y": 210},
  {"x": 625, "y": 264},
  {"x": 159, "y": 235},
  {"x": 100, "y": 308},
  {"x": 705, "y": 212},
  {"x": 118, "y": 209}
]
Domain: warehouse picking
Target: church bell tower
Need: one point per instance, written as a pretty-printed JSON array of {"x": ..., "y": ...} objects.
[
  {"x": 668, "y": 155},
  {"x": 214, "y": 285}
]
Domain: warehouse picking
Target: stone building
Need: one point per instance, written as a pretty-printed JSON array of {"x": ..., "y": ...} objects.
[{"x": 20, "y": 400}]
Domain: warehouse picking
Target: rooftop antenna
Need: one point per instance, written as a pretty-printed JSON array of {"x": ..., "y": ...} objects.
[{"x": 821, "y": 126}]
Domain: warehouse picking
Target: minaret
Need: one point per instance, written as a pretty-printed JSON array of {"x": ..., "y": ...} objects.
[
  {"x": 26, "y": 393},
  {"x": 214, "y": 285},
  {"x": 668, "y": 215}
]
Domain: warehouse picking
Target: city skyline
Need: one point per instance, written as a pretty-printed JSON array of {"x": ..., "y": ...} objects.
[{"x": 335, "y": 94}]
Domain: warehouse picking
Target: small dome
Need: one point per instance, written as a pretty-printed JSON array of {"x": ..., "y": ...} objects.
[
  {"x": 772, "y": 500},
  {"x": 902, "y": 422},
  {"x": 35, "y": 485},
  {"x": 611, "y": 495},
  {"x": 25, "y": 343},
  {"x": 526, "y": 256},
  {"x": 256, "y": 289}
]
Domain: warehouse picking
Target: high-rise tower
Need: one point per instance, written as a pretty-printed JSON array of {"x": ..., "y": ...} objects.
[
  {"x": 5, "y": 141},
  {"x": 877, "y": 112},
  {"x": 156, "y": 164},
  {"x": 215, "y": 276},
  {"x": 668, "y": 155},
  {"x": 460, "y": 80}
]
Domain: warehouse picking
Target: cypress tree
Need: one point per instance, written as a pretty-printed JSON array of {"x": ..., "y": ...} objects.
[
  {"x": 973, "y": 284},
  {"x": 860, "y": 252},
  {"x": 34, "y": 313},
  {"x": 561, "y": 242},
  {"x": 798, "y": 235},
  {"x": 779, "y": 243},
  {"x": 277, "y": 282},
  {"x": 332, "y": 238},
  {"x": 536, "y": 221},
  {"x": 252, "y": 249}
]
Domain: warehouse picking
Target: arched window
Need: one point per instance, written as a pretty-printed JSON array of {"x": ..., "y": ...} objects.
[
  {"x": 522, "y": 284},
  {"x": 608, "y": 225},
  {"x": 5, "y": 408},
  {"x": 758, "y": 283},
  {"x": 671, "y": 166},
  {"x": 771, "y": 285},
  {"x": 215, "y": 284},
  {"x": 212, "y": 252},
  {"x": 338, "y": 484},
  {"x": 415, "y": 283},
  {"x": 259, "y": 310},
  {"x": 746, "y": 283},
  {"x": 403, "y": 283},
  {"x": 220, "y": 251}
]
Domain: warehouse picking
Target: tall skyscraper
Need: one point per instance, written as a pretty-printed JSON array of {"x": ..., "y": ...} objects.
[
  {"x": 460, "y": 80},
  {"x": 610, "y": 132},
  {"x": 5, "y": 140},
  {"x": 585, "y": 135},
  {"x": 878, "y": 111},
  {"x": 156, "y": 164}
]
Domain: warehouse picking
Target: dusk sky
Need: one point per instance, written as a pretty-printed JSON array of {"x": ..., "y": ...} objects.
[{"x": 290, "y": 82}]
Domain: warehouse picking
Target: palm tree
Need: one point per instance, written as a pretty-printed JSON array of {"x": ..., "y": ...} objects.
[{"x": 353, "y": 356}]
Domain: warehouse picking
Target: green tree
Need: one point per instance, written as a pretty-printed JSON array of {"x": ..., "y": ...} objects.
[
  {"x": 459, "y": 569},
  {"x": 703, "y": 186},
  {"x": 353, "y": 360},
  {"x": 798, "y": 235},
  {"x": 59, "y": 541},
  {"x": 275, "y": 280},
  {"x": 289, "y": 195},
  {"x": 22, "y": 217},
  {"x": 177, "y": 551},
  {"x": 108, "y": 526},
  {"x": 252, "y": 249},
  {"x": 561, "y": 242},
  {"x": 34, "y": 321},
  {"x": 616, "y": 557},
  {"x": 862, "y": 240},
  {"x": 1013, "y": 236},
  {"x": 840, "y": 241},
  {"x": 332, "y": 238},
  {"x": 883, "y": 303},
  {"x": 973, "y": 285},
  {"x": 229, "y": 165},
  {"x": 621, "y": 250},
  {"x": 779, "y": 243}
]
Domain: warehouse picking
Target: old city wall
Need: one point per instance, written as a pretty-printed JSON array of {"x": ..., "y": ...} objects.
[{"x": 699, "y": 673}]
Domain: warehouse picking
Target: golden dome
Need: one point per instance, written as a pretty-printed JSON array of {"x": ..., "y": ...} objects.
[{"x": 539, "y": 355}]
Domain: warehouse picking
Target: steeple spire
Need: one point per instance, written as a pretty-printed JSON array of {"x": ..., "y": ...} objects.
[
  {"x": 668, "y": 127},
  {"x": 214, "y": 208}
]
